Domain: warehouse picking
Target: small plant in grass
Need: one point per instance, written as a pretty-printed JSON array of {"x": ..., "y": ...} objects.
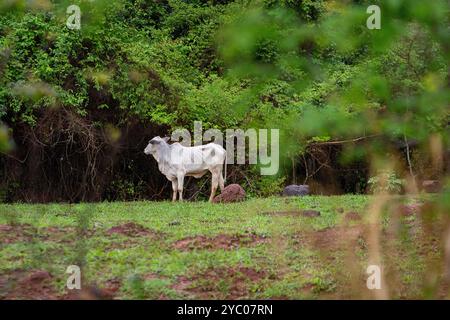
[
  {"x": 135, "y": 286},
  {"x": 385, "y": 181},
  {"x": 323, "y": 285},
  {"x": 10, "y": 216}
]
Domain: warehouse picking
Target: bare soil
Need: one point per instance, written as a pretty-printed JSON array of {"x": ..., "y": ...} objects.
[
  {"x": 352, "y": 216},
  {"x": 333, "y": 238},
  {"x": 34, "y": 284},
  {"x": 91, "y": 293},
  {"x": 227, "y": 283},
  {"x": 16, "y": 233},
  {"x": 294, "y": 213},
  {"x": 131, "y": 229},
  {"x": 11, "y": 233},
  {"x": 221, "y": 241}
]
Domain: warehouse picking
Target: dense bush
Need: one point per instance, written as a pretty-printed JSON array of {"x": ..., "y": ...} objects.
[{"x": 82, "y": 103}]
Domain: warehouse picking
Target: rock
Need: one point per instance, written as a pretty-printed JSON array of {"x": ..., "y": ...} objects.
[
  {"x": 431, "y": 186},
  {"x": 231, "y": 193},
  {"x": 296, "y": 190},
  {"x": 352, "y": 216},
  {"x": 310, "y": 213}
]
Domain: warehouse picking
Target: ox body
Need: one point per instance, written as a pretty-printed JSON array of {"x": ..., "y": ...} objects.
[{"x": 176, "y": 161}]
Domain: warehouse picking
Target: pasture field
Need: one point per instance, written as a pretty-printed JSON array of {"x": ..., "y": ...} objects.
[{"x": 273, "y": 248}]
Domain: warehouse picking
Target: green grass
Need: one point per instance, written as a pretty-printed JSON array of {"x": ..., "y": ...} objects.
[{"x": 288, "y": 263}]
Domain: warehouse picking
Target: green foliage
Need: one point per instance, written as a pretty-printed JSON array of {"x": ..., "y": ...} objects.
[
  {"x": 308, "y": 10},
  {"x": 267, "y": 186},
  {"x": 309, "y": 68},
  {"x": 348, "y": 80},
  {"x": 126, "y": 190},
  {"x": 159, "y": 61},
  {"x": 387, "y": 182},
  {"x": 5, "y": 141}
]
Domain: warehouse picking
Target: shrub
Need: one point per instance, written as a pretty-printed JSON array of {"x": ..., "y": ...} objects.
[{"x": 385, "y": 182}]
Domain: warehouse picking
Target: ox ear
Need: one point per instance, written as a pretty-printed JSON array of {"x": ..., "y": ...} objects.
[{"x": 166, "y": 139}]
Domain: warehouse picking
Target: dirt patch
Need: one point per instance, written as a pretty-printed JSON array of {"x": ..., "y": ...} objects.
[
  {"x": 283, "y": 213},
  {"x": 131, "y": 229},
  {"x": 133, "y": 232},
  {"x": 113, "y": 284},
  {"x": 34, "y": 285},
  {"x": 17, "y": 233},
  {"x": 39, "y": 285},
  {"x": 63, "y": 234},
  {"x": 221, "y": 241},
  {"x": 279, "y": 298},
  {"x": 352, "y": 216},
  {"x": 311, "y": 213},
  {"x": 333, "y": 238},
  {"x": 26, "y": 233},
  {"x": 123, "y": 244},
  {"x": 409, "y": 209},
  {"x": 153, "y": 276},
  {"x": 90, "y": 293},
  {"x": 220, "y": 283},
  {"x": 294, "y": 213},
  {"x": 94, "y": 292}
]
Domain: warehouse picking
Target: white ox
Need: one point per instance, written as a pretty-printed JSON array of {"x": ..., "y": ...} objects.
[{"x": 176, "y": 161}]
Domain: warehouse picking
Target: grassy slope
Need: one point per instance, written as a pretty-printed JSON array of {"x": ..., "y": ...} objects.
[{"x": 297, "y": 256}]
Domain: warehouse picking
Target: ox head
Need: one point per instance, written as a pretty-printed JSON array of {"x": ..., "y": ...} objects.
[{"x": 154, "y": 144}]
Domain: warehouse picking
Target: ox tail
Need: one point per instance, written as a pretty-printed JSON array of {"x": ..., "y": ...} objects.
[{"x": 225, "y": 174}]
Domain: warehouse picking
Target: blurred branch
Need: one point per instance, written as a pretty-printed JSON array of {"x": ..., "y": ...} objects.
[
  {"x": 343, "y": 141},
  {"x": 14, "y": 158}
]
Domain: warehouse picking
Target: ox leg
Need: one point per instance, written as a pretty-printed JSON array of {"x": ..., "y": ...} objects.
[
  {"x": 180, "y": 186},
  {"x": 214, "y": 183},
  {"x": 174, "y": 189},
  {"x": 221, "y": 182}
]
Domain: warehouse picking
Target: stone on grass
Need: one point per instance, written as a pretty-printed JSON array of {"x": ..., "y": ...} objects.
[{"x": 296, "y": 190}]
